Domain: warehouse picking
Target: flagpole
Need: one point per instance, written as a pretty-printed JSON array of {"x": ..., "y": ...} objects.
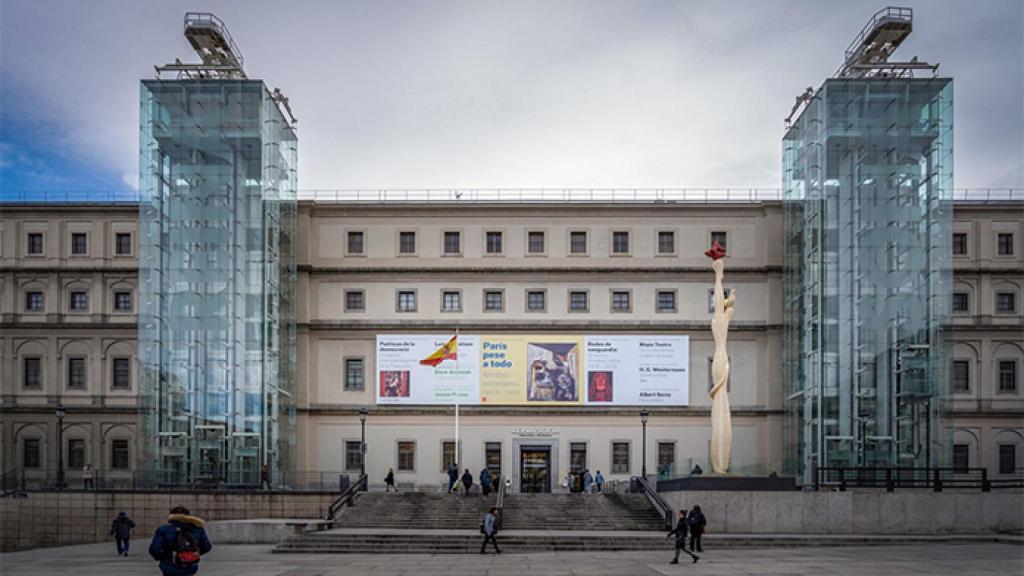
[{"x": 458, "y": 452}]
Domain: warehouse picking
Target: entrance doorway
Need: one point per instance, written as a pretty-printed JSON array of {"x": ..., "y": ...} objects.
[{"x": 535, "y": 469}]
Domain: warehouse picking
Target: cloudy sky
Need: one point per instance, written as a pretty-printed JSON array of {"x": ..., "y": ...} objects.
[{"x": 400, "y": 94}]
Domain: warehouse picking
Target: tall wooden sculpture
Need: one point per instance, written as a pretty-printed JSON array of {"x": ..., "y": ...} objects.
[{"x": 721, "y": 419}]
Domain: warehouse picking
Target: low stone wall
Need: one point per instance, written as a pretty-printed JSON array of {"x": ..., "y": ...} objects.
[
  {"x": 58, "y": 519},
  {"x": 856, "y": 512}
]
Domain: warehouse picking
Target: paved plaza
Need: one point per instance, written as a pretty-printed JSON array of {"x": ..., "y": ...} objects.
[{"x": 931, "y": 559}]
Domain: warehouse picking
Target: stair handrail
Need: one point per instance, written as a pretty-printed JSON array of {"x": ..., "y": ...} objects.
[
  {"x": 9, "y": 482},
  {"x": 656, "y": 500},
  {"x": 347, "y": 498},
  {"x": 499, "y": 500}
]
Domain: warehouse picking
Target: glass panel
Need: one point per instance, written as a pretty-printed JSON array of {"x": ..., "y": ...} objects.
[
  {"x": 666, "y": 459},
  {"x": 447, "y": 455},
  {"x": 80, "y": 301},
  {"x": 1005, "y": 244},
  {"x": 76, "y": 453},
  {"x": 406, "y": 456},
  {"x": 959, "y": 244},
  {"x": 406, "y": 242},
  {"x": 354, "y": 300},
  {"x": 122, "y": 373},
  {"x": 32, "y": 372},
  {"x": 452, "y": 243},
  {"x": 961, "y": 457},
  {"x": 666, "y": 242},
  {"x": 494, "y": 300},
  {"x": 578, "y": 301},
  {"x": 355, "y": 242},
  {"x": 354, "y": 374},
  {"x": 577, "y": 457},
  {"x": 79, "y": 244},
  {"x": 960, "y": 302},
  {"x": 578, "y": 242},
  {"x": 535, "y": 300},
  {"x": 494, "y": 242},
  {"x": 666, "y": 301},
  {"x": 620, "y": 242},
  {"x": 451, "y": 301},
  {"x": 1007, "y": 458},
  {"x": 35, "y": 244},
  {"x": 536, "y": 243},
  {"x": 76, "y": 373},
  {"x": 30, "y": 453},
  {"x": 961, "y": 377},
  {"x": 492, "y": 457},
  {"x": 123, "y": 244},
  {"x": 353, "y": 455},
  {"x": 119, "y": 454},
  {"x": 620, "y": 457},
  {"x": 1007, "y": 376},
  {"x": 620, "y": 301},
  {"x": 721, "y": 237}
]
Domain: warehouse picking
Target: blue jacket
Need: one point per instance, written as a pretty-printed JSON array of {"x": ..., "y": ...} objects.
[{"x": 163, "y": 539}]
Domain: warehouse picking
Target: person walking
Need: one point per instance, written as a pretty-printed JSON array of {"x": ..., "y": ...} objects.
[
  {"x": 587, "y": 481},
  {"x": 697, "y": 523},
  {"x": 599, "y": 481},
  {"x": 121, "y": 530},
  {"x": 467, "y": 481},
  {"x": 179, "y": 544},
  {"x": 88, "y": 475},
  {"x": 265, "y": 477},
  {"x": 697, "y": 470},
  {"x": 453, "y": 476},
  {"x": 680, "y": 533},
  {"x": 485, "y": 482},
  {"x": 389, "y": 481},
  {"x": 489, "y": 528}
]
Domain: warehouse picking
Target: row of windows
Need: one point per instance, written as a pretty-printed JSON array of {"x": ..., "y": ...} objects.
[
  {"x": 78, "y": 301},
  {"x": 1006, "y": 302},
  {"x": 536, "y": 300},
  {"x": 31, "y": 453},
  {"x": 1007, "y": 458},
  {"x": 536, "y": 242},
  {"x": 1006, "y": 376},
  {"x": 1004, "y": 244},
  {"x": 76, "y": 373},
  {"x": 35, "y": 244}
]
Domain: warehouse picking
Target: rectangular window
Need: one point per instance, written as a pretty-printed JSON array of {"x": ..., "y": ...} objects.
[
  {"x": 494, "y": 300},
  {"x": 1008, "y": 376},
  {"x": 620, "y": 457},
  {"x": 1007, "y": 458},
  {"x": 961, "y": 457},
  {"x": 494, "y": 242},
  {"x": 33, "y": 301},
  {"x": 577, "y": 457},
  {"x": 711, "y": 299},
  {"x": 666, "y": 459},
  {"x": 79, "y": 244},
  {"x": 961, "y": 376},
  {"x": 123, "y": 244},
  {"x": 355, "y": 301},
  {"x": 407, "y": 301},
  {"x": 492, "y": 458},
  {"x": 959, "y": 244},
  {"x": 76, "y": 453},
  {"x": 451, "y": 301},
  {"x": 79, "y": 302},
  {"x": 535, "y": 242},
  {"x": 123, "y": 301},
  {"x": 353, "y": 455},
  {"x": 1004, "y": 244},
  {"x": 406, "y": 456},
  {"x": 406, "y": 242},
  {"x": 34, "y": 244},
  {"x": 452, "y": 242},
  {"x": 620, "y": 242},
  {"x": 355, "y": 242},
  {"x": 30, "y": 453},
  {"x": 76, "y": 373},
  {"x": 448, "y": 456},
  {"x": 1006, "y": 302},
  {"x": 535, "y": 300},
  {"x": 621, "y": 301},
  {"x": 666, "y": 242},
  {"x": 721, "y": 237},
  {"x": 578, "y": 301},
  {"x": 122, "y": 374},
  {"x": 32, "y": 372},
  {"x": 578, "y": 242},
  {"x": 354, "y": 374},
  {"x": 666, "y": 301},
  {"x": 960, "y": 302},
  {"x": 119, "y": 454}
]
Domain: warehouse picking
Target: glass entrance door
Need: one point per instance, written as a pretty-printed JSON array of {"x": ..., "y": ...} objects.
[{"x": 535, "y": 469}]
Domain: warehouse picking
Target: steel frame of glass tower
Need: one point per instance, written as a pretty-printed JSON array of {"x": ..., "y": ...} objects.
[
  {"x": 867, "y": 190},
  {"x": 217, "y": 275}
]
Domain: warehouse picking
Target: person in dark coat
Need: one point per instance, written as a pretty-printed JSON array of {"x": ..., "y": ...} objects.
[
  {"x": 389, "y": 481},
  {"x": 453, "y": 476},
  {"x": 490, "y": 530},
  {"x": 697, "y": 522},
  {"x": 467, "y": 481},
  {"x": 680, "y": 533},
  {"x": 178, "y": 544},
  {"x": 121, "y": 530},
  {"x": 485, "y": 481}
]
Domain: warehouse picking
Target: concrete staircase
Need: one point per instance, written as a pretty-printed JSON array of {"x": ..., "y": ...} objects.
[
  {"x": 580, "y": 512},
  {"x": 415, "y": 510}
]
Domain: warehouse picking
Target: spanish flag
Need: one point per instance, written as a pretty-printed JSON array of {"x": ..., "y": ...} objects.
[{"x": 450, "y": 351}]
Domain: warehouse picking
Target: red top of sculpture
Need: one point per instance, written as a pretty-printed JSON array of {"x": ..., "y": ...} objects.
[{"x": 716, "y": 252}]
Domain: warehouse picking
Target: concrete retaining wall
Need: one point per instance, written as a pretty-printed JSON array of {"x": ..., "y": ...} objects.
[
  {"x": 54, "y": 519},
  {"x": 856, "y": 512}
]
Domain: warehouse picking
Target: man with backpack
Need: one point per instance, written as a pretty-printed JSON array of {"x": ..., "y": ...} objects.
[
  {"x": 697, "y": 523},
  {"x": 121, "y": 530},
  {"x": 680, "y": 532},
  {"x": 489, "y": 528},
  {"x": 178, "y": 544}
]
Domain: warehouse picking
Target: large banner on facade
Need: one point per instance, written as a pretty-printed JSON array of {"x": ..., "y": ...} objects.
[{"x": 541, "y": 370}]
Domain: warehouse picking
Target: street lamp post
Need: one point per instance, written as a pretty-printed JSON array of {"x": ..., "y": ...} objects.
[
  {"x": 643, "y": 466},
  {"x": 362, "y": 444},
  {"x": 60, "y": 446}
]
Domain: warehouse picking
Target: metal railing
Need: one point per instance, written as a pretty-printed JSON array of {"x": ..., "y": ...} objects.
[
  {"x": 9, "y": 482},
  {"x": 499, "y": 500},
  {"x": 656, "y": 500},
  {"x": 49, "y": 480},
  {"x": 892, "y": 13},
  {"x": 843, "y": 477},
  {"x": 347, "y": 498}
]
